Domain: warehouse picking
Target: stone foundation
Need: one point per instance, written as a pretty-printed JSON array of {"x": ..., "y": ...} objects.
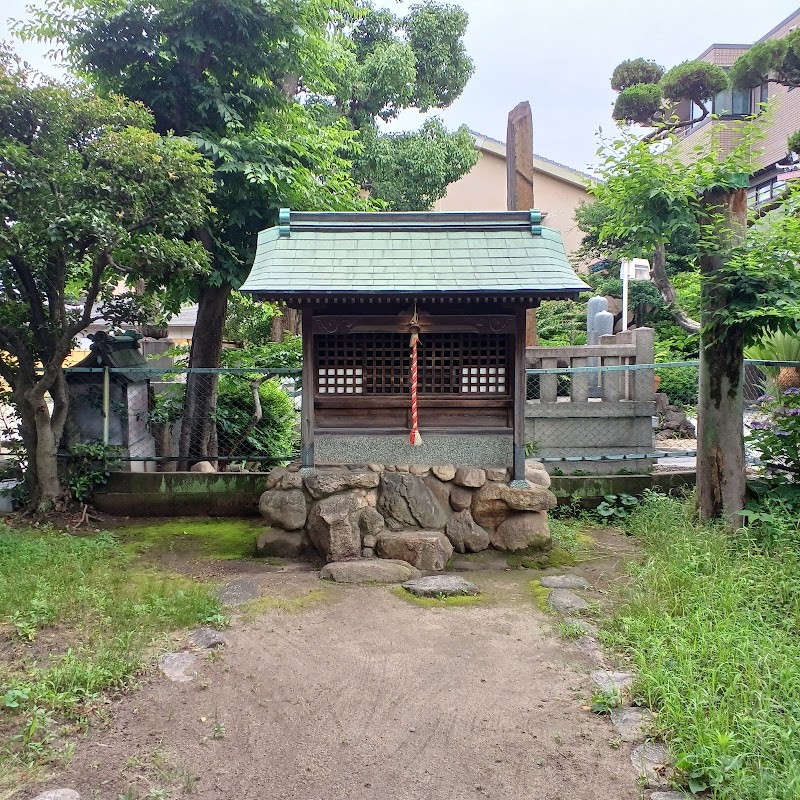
[{"x": 415, "y": 513}]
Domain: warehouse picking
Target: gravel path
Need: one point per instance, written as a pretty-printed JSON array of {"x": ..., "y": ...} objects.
[{"x": 367, "y": 696}]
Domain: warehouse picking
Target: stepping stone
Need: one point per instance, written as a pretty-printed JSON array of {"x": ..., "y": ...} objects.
[
  {"x": 608, "y": 680},
  {"x": 238, "y": 592},
  {"x": 652, "y": 761},
  {"x": 564, "y": 600},
  {"x": 564, "y": 582},
  {"x": 178, "y": 667},
  {"x": 586, "y": 627},
  {"x": 206, "y": 638},
  {"x": 58, "y": 794},
  {"x": 591, "y": 647},
  {"x": 669, "y": 796},
  {"x": 369, "y": 570},
  {"x": 437, "y": 585},
  {"x": 631, "y": 723}
]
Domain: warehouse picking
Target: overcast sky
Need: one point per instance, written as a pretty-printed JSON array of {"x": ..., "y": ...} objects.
[{"x": 559, "y": 55}]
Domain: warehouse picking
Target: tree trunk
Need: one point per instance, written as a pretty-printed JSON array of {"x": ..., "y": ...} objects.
[
  {"x": 198, "y": 441},
  {"x": 286, "y": 321},
  {"x": 721, "y": 479},
  {"x": 658, "y": 273}
]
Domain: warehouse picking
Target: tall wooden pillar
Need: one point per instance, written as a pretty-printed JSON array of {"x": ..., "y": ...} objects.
[
  {"x": 307, "y": 411},
  {"x": 519, "y": 181},
  {"x": 520, "y": 392}
]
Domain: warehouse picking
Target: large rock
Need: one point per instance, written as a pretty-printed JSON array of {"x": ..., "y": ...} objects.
[
  {"x": 373, "y": 570},
  {"x": 465, "y": 535},
  {"x": 426, "y": 550},
  {"x": 470, "y": 476},
  {"x": 441, "y": 490},
  {"x": 405, "y": 501},
  {"x": 282, "y": 478},
  {"x": 333, "y": 525},
  {"x": 492, "y": 503},
  {"x": 444, "y": 472},
  {"x": 460, "y": 498},
  {"x": 521, "y": 531},
  {"x": 285, "y": 509},
  {"x": 370, "y": 523},
  {"x": 537, "y": 477},
  {"x": 279, "y": 543},
  {"x": 323, "y": 484},
  {"x": 202, "y": 466}
]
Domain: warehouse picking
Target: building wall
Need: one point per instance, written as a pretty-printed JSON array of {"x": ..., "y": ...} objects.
[{"x": 483, "y": 188}]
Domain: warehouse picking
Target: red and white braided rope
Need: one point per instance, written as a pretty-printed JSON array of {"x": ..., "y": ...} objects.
[{"x": 414, "y": 438}]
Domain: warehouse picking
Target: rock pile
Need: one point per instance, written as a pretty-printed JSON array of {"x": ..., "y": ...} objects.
[{"x": 416, "y": 514}]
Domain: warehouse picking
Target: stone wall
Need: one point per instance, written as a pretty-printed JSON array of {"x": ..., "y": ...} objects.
[{"x": 416, "y": 513}]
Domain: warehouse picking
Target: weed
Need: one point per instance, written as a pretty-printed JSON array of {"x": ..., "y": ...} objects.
[
  {"x": 291, "y": 605},
  {"x": 570, "y": 630},
  {"x": 604, "y": 702},
  {"x": 711, "y": 627},
  {"x": 616, "y": 506}
]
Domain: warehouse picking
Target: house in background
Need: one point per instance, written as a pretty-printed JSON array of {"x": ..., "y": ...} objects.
[
  {"x": 767, "y": 183},
  {"x": 558, "y": 190}
]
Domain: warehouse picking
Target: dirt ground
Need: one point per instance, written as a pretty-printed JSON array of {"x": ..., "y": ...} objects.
[{"x": 363, "y": 695}]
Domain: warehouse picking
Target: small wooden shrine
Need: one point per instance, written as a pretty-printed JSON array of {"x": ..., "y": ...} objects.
[{"x": 413, "y": 329}]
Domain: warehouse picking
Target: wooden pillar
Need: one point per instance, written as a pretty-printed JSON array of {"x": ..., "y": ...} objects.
[
  {"x": 519, "y": 180},
  {"x": 307, "y": 411},
  {"x": 518, "y": 471}
]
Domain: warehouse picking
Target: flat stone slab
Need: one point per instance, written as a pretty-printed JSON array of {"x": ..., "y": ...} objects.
[
  {"x": 178, "y": 667},
  {"x": 609, "y": 680},
  {"x": 369, "y": 570},
  {"x": 565, "y": 601},
  {"x": 206, "y": 638},
  {"x": 564, "y": 582},
  {"x": 586, "y": 627},
  {"x": 653, "y": 762},
  {"x": 426, "y": 550},
  {"x": 58, "y": 794},
  {"x": 631, "y": 724},
  {"x": 438, "y": 585},
  {"x": 238, "y": 592},
  {"x": 669, "y": 796}
]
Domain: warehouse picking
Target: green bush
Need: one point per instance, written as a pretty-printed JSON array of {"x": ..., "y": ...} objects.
[{"x": 274, "y": 435}]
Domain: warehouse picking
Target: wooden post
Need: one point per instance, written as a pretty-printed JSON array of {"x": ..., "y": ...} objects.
[
  {"x": 519, "y": 182},
  {"x": 307, "y": 412},
  {"x": 518, "y": 472}
]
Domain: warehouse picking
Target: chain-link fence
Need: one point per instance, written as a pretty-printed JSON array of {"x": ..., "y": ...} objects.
[{"x": 172, "y": 418}]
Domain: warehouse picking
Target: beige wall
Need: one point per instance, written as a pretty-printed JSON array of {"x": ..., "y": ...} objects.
[{"x": 483, "y": 188}]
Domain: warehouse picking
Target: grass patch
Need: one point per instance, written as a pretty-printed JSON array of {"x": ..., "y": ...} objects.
[
  {"x": 570, "y": 630},
  {"x": 457, "y": 601},
  {"x": 78, "y": 616},
  {"x": 217, "y": 539},
  {"x": 713, "y": 629},
  {"x": 290, "y": 605},
  {"x": 539, "y": 594}
]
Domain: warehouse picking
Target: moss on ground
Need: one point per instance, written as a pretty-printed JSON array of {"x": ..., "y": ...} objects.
[
  {"x": 436, "y": 602},
  {"x": 536, "y": 559},
  {"x": 290, "y": 605},
  {"x": 218, "y": 538},
  {"x": 539, "y": 594}
]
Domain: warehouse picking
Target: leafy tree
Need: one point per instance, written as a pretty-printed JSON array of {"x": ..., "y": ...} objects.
[
  {"x": 90, "y": 196},
  {"x": 773, "y": 61}
]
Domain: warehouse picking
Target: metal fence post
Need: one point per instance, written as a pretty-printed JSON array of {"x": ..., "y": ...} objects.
[{"x": 106, "y": 404}]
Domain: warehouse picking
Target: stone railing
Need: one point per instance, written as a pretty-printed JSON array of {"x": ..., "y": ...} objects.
[{"x": 577, "y": 408}]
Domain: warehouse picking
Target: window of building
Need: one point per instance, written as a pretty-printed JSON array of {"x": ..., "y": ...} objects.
[
  {"x": 380, "y": 363},
  {"x": 765, "y": 192}
]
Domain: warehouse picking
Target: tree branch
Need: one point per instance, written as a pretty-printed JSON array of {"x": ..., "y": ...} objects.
[{"x": 658, "y": 273}]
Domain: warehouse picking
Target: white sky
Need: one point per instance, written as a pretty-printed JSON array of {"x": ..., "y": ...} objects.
[{"x": 559, "y": 55}]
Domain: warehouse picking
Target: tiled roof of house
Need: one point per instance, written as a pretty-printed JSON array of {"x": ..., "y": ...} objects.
[{"x": 428, "y": 253}]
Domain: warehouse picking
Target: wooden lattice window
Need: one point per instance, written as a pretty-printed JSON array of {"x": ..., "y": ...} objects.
[{"x": 379, "y": 363}]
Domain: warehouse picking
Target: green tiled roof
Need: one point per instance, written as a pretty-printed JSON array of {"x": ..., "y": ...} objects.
[{"x": 411, "y": 253}]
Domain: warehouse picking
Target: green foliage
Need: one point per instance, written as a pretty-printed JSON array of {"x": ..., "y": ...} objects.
[
  {"x": 616, "y": 506},
  {"x": 273, "y": 436},
  {"x": 561, "y": 322},
  {"x": 287, "y": 354},
  {"x": 697, "y": 81},
  {"x": 99, "y": 612},
  {"x": 635, "y": 71},
  {"x": 248, "y": 321},
  {"x": 604, "y": 702},
  {"x": 680, "y": 384},
  {"x": 638, "y": 104},
  {"x": 793, "y": 142},
  {"x": 411, "y": 171},
  {"x": 88, "y": 467},
  {"x": 776, "y": 436},
  {"x": 711, "y": 629},
  {"x": 775, "y": 59}
]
